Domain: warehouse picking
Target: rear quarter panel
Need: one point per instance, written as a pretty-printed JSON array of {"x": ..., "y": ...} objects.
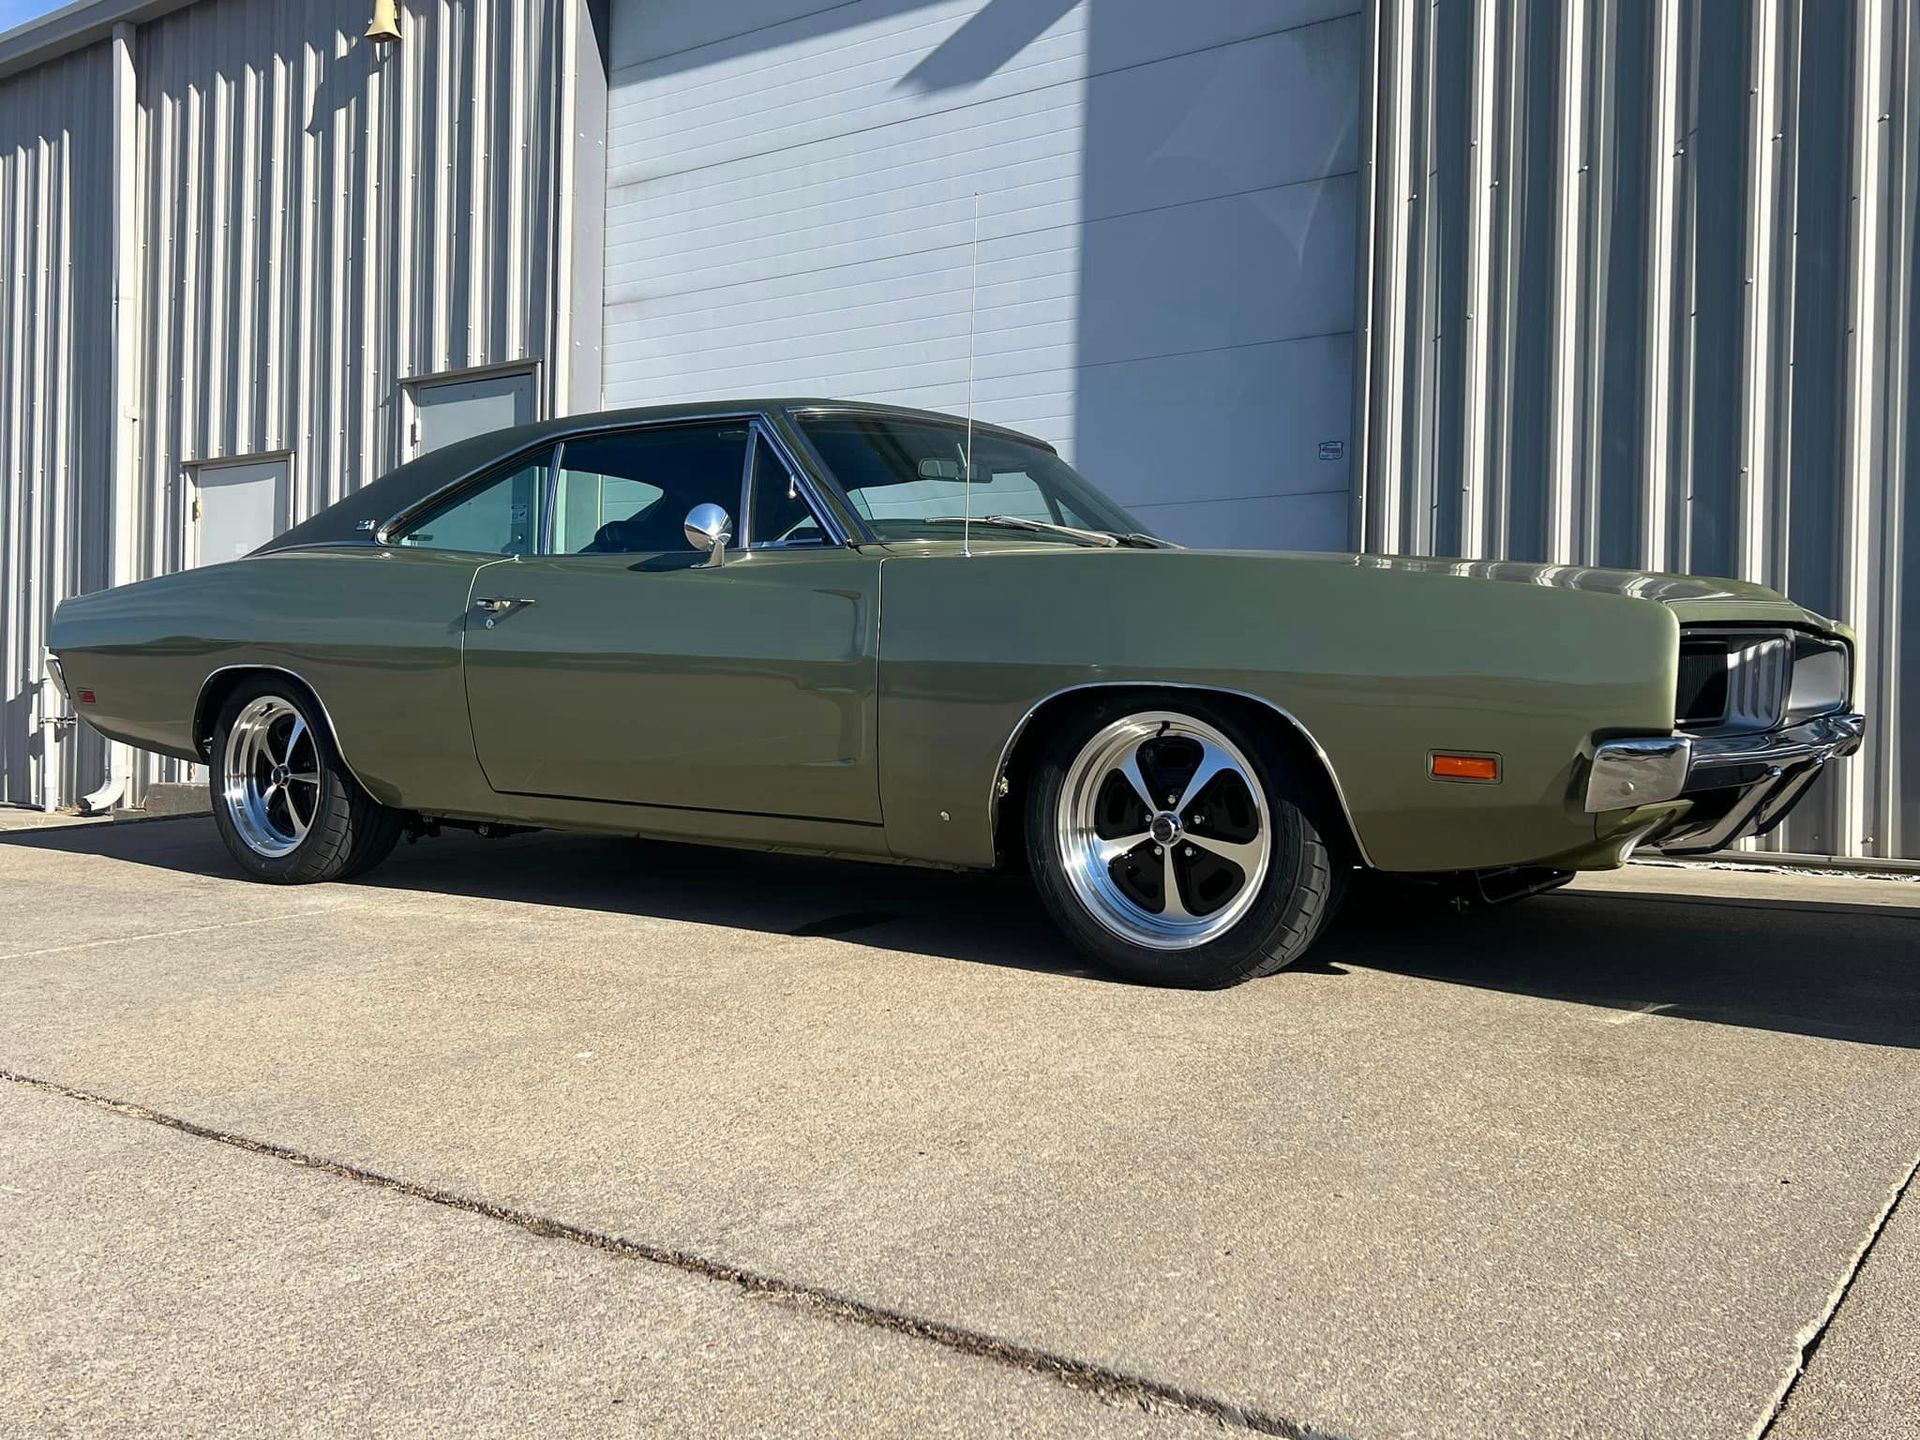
[
  {"x": 374, "y": 633},
  {"x": 1380, "y": 668}
]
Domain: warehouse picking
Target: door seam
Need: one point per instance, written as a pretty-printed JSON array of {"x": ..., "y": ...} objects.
[{"x": 466, "y": 694}]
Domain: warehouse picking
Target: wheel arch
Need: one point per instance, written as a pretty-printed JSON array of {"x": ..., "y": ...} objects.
[
  {"x": 1027, "y": 743},
  {"x": 215, "y": 689}
]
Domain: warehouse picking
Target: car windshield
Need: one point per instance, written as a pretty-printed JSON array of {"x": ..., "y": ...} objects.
[{"x": 908, "y": 479}]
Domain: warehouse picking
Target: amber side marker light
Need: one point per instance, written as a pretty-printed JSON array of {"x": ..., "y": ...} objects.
[{"x": 1464, "y": 767}]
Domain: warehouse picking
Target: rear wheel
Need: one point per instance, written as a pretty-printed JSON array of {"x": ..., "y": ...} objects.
[
  {"x": 1174, "y": 845},
  {"x": 284, "y": 803}
]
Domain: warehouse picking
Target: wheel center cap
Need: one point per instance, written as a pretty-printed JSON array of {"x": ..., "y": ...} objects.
[
  {"x": 281, "y": 774},
  {"x": 1166, "y": 828}
]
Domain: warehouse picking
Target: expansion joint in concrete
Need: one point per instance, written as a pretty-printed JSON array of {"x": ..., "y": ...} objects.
[
  {"x": 1112, "y": 1385},
  {"x": 1811, "y": 1338}
]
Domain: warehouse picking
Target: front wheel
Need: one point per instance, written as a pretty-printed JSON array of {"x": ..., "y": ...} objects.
[
  {"x": 285, "y": 805},
  {"x": 1173, "y": 847}
]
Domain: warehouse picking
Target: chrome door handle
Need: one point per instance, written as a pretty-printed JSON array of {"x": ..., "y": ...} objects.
[{"x": 497, "y": 606}]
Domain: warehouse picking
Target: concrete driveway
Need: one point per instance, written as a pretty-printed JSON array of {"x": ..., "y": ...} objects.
[{"x": 553, "y": 1135}]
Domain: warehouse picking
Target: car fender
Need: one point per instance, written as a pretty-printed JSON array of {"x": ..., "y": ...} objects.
[{"x": 1377, "y": 669}]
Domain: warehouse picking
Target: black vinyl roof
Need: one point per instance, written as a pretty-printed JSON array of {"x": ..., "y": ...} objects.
[{"x": 354, "y": 519}]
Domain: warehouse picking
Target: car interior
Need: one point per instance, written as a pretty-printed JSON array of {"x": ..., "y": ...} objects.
[{"x": 630, "y": 493}]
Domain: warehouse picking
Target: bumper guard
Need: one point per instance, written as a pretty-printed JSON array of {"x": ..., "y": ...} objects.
[{"x": 1760, "y": 776}]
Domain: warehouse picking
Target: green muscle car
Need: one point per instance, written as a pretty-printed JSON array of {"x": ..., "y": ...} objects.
[{"x": 884, "y": 633}]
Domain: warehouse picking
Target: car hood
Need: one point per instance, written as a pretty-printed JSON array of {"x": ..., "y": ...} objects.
[
  {"x": 1697, "y": 598},
  {"x": 1640, "y": 584}
]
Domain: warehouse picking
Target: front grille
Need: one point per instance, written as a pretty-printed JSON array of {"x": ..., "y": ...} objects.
[
  {"x": 1734, "y": 680},
  {"x": 1702, "y": 698}
]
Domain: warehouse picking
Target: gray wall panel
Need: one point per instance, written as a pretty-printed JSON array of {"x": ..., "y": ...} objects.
[
  {"x": 1316, "y": 521},
  {"x": 1156, "y": 421},
  {"x": 56, "y": 369},
  {"x": 1642, "y": 294},
  {"x": 1166, "y": 200}
]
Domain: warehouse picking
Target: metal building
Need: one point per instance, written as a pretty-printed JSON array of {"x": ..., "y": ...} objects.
[
  {"x": 249, "y": 260},
  {"x": 1596, "y": 281},
  {"x": 1166, "y": 205},
  {"x": 1641, "y": 290}
]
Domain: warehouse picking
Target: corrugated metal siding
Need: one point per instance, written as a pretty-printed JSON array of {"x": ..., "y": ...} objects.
[
  {"x": 1643, "y": 292},
  {"x": 323, "y": 224},
  {"x": 317, "y": 225},
  {"x": 56, "y": 300}
]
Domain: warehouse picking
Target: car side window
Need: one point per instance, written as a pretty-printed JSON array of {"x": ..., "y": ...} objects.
[
  {"x": 780, "y": 512},
  {"x": 588, "y": 501},
  {"x": 629, "y": 492},
  {"x": 501, "y": 516}
]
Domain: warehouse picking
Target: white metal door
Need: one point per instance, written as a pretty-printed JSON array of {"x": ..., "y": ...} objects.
[
  {"x": 1166, "y": 229},
  {"x": 239, "y": 505},
  {"x": 453, "y": 409}
]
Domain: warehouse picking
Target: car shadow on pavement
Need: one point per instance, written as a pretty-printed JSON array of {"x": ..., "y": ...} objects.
[
  {"x": 985, "y": 919},
  {"x": 1847, "y": 971}
]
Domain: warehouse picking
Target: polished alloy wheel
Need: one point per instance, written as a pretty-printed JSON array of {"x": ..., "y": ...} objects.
[
  {"x": 1163, "y": 830},
  {"x": 272, "y": 776}
]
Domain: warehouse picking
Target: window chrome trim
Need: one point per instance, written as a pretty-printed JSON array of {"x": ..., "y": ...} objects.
[
  {"x": 811, "y": 486},
  {"x": 497, "y": 468},
  {"x": 548, "y": 521},
  {"x": 1019, "y": 729},
  {"x": 920, "y": 417},
  {"x": 795, "y": 415},
  {"x": 598, "y": 427},
  {"x": 758, "y": 431},
  {"x": 846, "y": 515}
]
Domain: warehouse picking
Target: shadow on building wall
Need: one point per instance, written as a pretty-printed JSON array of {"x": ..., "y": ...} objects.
[{"x": 1212, "y": 251}]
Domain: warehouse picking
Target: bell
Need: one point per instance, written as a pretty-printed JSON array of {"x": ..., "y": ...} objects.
[{"x": 385, "y": 28}]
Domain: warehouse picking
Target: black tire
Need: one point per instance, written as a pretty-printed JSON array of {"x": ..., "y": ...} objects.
[
  {"x": 1289, "y": 906},
  {"x": 347, "y": 832}
]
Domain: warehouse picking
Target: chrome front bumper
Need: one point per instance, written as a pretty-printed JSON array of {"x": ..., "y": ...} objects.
[{"x": 1760, "y": 777}]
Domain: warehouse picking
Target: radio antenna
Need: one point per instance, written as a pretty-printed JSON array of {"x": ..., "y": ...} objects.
[{"x": 973, "y": 315}]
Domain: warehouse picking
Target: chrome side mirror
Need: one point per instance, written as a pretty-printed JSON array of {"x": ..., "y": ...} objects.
[{"x": 708, "y": 529}]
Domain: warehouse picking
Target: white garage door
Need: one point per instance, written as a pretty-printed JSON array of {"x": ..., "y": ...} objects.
[{"x": 1167, "y": 229}]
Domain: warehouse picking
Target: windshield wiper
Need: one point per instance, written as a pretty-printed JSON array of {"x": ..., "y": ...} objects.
[{"x": 1016, "y": 522}]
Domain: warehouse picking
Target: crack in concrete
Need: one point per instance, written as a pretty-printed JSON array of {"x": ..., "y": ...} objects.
[
  {"x": 1110, "y": 1384},
  {"x": 1810, "y": 1339},
  {"x": 95, "y": 944}
]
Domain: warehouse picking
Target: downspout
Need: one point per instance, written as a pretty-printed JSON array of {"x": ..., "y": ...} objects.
[
  {"x": 123, "y": 521},
  {"x": 49, "y": 719}
]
